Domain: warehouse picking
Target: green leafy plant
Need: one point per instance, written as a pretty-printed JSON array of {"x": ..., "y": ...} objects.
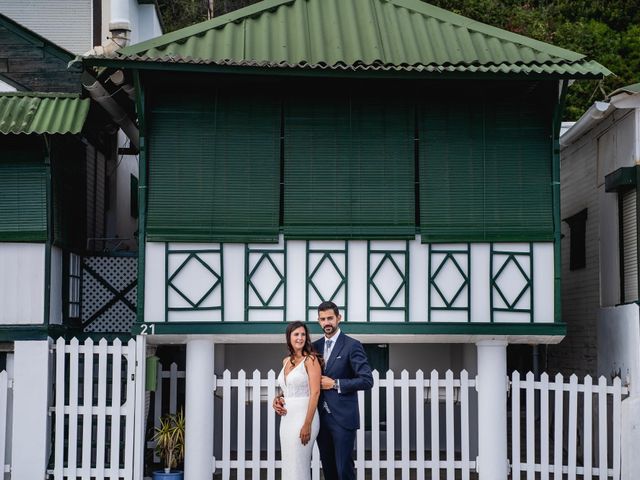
[{"x": 169, "y": 438}]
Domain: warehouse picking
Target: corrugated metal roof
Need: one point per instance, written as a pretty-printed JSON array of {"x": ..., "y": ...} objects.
[
  {"x": 402, "y": 35},
  {"x": 22, "y": 112}
]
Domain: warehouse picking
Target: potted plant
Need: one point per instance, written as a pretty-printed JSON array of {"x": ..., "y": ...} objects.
[{"x": 169, "y": 438}]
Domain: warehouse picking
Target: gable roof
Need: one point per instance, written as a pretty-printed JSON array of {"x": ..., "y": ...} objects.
[
  {"x": 22, "y": 112},
  {"x": 400, "y": 35}
]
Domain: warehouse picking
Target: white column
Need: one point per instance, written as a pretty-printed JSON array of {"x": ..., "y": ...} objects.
[
  {"x": 630, "y": 437},
  {"x": 31, "y": 387},
  {"x": 198, "y": 462},
  {"x": 492, "y": 409}
]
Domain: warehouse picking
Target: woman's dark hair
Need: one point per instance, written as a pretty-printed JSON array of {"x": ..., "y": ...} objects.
[{"x": 307, "y": 349}]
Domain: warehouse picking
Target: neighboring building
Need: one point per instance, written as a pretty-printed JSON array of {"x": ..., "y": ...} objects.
[{"x": 599, "y": 177}]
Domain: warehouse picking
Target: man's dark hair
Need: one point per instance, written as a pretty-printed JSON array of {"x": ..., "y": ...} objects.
[{"x": 329, "y": 306}]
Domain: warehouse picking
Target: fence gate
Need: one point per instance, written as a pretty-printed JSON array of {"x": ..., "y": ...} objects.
[{"x": 94, "y": 419}]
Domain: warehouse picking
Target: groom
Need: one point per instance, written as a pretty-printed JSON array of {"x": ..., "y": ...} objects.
[{"x": 346, "y": 371}]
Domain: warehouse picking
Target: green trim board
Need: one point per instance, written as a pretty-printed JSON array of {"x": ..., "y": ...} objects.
[
  {"x": 386, "y": 256},
  {"x": 624, "y": 178},
  {"x": 254, "y": 284},
  {"x": 362, "y": 35},
  {"x": 498, "y": 296},
  {"x": 142, "y": 194},
  {"x": 176, "y": 276},
  {"x": 373, "y": 328},
  {"x": 317, "y": 259},
  {"x": 446, "y": 255}
]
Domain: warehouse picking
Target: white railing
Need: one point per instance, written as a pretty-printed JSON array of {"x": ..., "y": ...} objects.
[
  {"x": 94, "y": 410},
  {"x": 5, "y": 405},
  {"x": 404, "y": 450},
  {"x": 553, "y": 414}
]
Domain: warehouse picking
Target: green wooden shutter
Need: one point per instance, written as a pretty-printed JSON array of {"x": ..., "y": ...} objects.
[
  {"x": 486, "y": 165},
  {"x": 214, "y": 167},
  {"x": 68, "y": 158},
  {"x": 349, "y": 168},
  {"x": 23, "y": 192}
]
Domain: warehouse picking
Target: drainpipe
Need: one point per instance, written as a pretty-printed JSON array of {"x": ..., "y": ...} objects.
[{"x": 104, "y": 99}]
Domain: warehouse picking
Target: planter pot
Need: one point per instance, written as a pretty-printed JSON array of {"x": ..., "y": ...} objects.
[{"x": 173, "y": 475}]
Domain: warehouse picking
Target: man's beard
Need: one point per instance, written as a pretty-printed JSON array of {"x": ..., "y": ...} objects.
[{"x": 329, "y": 329}]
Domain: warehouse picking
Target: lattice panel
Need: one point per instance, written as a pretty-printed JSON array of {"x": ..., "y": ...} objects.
[
  {"x": 109, "y": 289},
  {"x": 265, "y": 276},
  {"x": 326, "y": 276},
  {"x": 512, "y": 283},
  {"x": 449, "y": 286},
  {"x": 388, "y": 279}
]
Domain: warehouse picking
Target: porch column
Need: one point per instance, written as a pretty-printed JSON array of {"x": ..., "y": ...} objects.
[
  {"x": 198, "y": 461},
  {"x": 31, "y": 386},
  {"x": 492, "y": 409}
]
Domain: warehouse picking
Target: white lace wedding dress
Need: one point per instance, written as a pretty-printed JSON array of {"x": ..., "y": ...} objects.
[{"x": 296, "y": 458}]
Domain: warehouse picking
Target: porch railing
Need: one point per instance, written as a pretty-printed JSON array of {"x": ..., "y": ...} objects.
[
  {"x": 565, "y": 429},
  {"x": 5, "y": 405}
]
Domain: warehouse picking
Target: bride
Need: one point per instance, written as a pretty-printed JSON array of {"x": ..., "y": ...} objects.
[{"x": 299, "y": 380}]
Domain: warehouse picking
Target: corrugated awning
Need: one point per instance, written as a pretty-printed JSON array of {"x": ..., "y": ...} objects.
[{"x": 34, "y": 112}]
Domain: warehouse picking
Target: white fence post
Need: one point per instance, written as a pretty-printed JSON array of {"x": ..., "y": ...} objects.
[
  {"x": 31, "y": 385},
  {"x": 4, "y": 413}
]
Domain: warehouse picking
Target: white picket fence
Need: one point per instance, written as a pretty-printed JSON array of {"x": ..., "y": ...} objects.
[
  {"x": 245, "y": 447},
  {"x": 94, "y": 410},
  {"x": 5, "y": 405},
  {"x": 548, "y": 405}
]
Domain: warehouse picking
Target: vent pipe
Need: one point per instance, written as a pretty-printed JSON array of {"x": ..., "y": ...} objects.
[{"x": 120, "y": 23}]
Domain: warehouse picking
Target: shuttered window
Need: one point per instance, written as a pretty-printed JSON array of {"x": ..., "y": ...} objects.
[
  {"x": 629, "y": 245},
  {"x": 349, "y": 166},
  {"x": 214, "y": 167},
  {"x": 23, "y": 191},
  {"x": 486, "y": 166}
]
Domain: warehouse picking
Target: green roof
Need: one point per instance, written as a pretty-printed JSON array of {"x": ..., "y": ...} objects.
[
  {"x": 629, "y": 89},
  {"x": 27, "y": 112},
  {"x": 391, "y": 35}
]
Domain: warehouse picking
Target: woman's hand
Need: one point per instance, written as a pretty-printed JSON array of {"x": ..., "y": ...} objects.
[{"x": 305, "y": 433}]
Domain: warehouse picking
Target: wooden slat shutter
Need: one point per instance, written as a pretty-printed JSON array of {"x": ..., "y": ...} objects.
[
  {"x": 23, "y": 191},
  {"x": 349, "y": 168},
  {"x": 629, "y": 246},
  {"x": 214, "y": 167},
  {"x": 486, "y": 166}
]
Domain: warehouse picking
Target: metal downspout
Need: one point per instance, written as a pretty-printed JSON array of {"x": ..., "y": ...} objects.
[
  {"x": 557, "y": 122},
  {"x": 142, "y": 196},
  {"x": 49, "y": 240}
]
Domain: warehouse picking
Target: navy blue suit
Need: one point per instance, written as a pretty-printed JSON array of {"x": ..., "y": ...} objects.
[{"x": 339, "y": 414}]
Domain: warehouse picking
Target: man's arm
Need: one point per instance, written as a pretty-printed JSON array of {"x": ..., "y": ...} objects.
[{"x": 363, "y": 379}]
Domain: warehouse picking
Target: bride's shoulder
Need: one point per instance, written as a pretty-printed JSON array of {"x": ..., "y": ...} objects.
[{"x": 285, "y": 360}]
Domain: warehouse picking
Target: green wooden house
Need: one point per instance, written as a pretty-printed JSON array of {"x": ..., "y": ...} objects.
[{"x": 390, "y": 156}]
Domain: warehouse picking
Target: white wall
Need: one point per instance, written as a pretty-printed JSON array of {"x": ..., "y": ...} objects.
[
  {"x": 619, "y": 344},
  {"x": 22, "y": 270}
]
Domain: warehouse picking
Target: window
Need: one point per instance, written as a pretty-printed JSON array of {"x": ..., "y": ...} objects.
[{"x": 577, "y": 240}]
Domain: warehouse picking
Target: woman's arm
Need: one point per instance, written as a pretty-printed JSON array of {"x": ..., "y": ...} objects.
[{"x": 312, "y": 365}]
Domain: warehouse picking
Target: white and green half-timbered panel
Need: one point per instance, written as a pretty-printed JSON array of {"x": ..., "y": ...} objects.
[{"x": 372, "y": 281}]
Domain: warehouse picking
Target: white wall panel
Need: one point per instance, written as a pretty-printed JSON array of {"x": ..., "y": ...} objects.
[
  {"x": 296, "y": 283},
  {"x": 480, "y": 304},
  {"x": 543, "y": 292},
  {"x": 22, "y": 283},
  {"x": 418, "y": 286},
  {"x": 55, "y": 297},
  {"x": 234, "y": 282},
  {"x": 154, "y": 282},
  {"x": 357, "y": 281}
]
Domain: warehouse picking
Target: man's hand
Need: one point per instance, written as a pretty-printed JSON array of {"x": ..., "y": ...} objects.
[
  {"x": 327, "y": 383},
  {"x": 278, "y": 406}
]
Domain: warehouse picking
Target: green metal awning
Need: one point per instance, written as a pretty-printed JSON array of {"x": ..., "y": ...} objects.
[
  {"x": 27, "y": 112},
  {"x": 359, "y": 35}
]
